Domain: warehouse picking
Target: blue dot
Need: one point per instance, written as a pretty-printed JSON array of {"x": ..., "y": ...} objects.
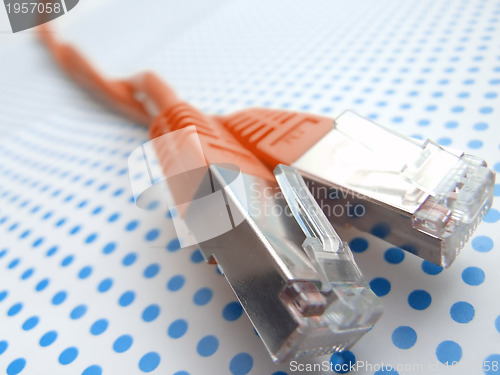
[
  {"x": 38, "y": 242},
  {"x": 149, "y": 362},
  {"x": 381, "y": 230},
  {"x": 67, "y": 261},
  {"x": 232, "y": 311},
  {"x": 92, "y": 370},
  {"x": 203, "y": 296},
  {"x": 473, "y": 276},
  {"x": 51, "y": 251},
  {"x": 241, "y": 364},
  {"x": 181, "y": 373},
  {"x": 3, "y": 346},
  {"x": 423, "y": 122},
  {"x": 126, "y": 298},
  {"x": 207, "y": 346},
  {"x": 197, "y": 256},
  {"x": 431, "y": 268},
  {"x": 177, "y": 328},
  {"x": 451, "y": 124},
  {"x": 419, "y": 299},
  {"x": 462, "y": 312},
  {"x": 380, "y": 286},
  {"x": 475, "y": 143},
  {"x": 15, "y": 309},
  {"x": 176, "y": 283},
  {"x": 105, "y": 285},
  {"x": 358, "y": 245},
  {"x": 448, "y": 352},
  {"x": 109, "y": 248},
  {"x": 59, "y": 297},
  {"x": 16, "y": 366},
  {"x": 444, "y": 141},
  {"x": 129, "y": 259},
  {"x": 173, "y": 245},
  {"x": 122, "y": 343},
  {"x": 342, "y": 362},
  {"x": 48, "y": 338},
  {"x": 42, "y": 285},
  {"x": 457, "y": 109},
  {"x": 152, "y": 235},
  {"x": 485, "y": 110},
  {"x": 99, "y": 327},
  {"x": 497, "y": 323},
  {"x": 91, "y": 238},
  {"x": 481, "y": 126},
  {"x": 3, "y": 294},
  {"x": 482, "y": 244},
  {"x": 150, "y": 313},
  {"x": 404, "y": 337},
  {"x": 132, "y": 225},
  {"x": 492, "y": 216},
  {"x": 13, "y": 263},
  {"x": 85, "y": 272},
  {"x": 31, "y": 323},
  {"x": 394, "y": 255},
  {"x": 386, "y": 370},
  {"x": 78, "y": 312},
  {"x": 491, "y": 364},
  {"x": 75, "y": 230},
  {"x": 114, "y": 217},
  {"x": 27, "y": 274},
  {"x": 151, "y": 270},
  {"x": 68, "y": 355}
]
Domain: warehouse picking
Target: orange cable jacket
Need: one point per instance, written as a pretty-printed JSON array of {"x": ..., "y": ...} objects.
[{"x": 273, "y": 136}]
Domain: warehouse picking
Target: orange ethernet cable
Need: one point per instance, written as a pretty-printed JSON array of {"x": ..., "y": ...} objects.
[
  {"x": 295, "y": 278},
  {"x": 427, "y": 199}
]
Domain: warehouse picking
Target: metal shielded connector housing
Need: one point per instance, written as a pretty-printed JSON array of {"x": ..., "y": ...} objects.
[
  {"x": 415, "y": 194},
  {"x": 296, "y": 280}
]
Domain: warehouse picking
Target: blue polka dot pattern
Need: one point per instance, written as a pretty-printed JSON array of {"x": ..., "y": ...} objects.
[
  {"x": 430, "y": 268},
  {"x": 207, "y": 346},
  {"x": 150, "y": 313},
  {"x": 473, "y": 276},
  {"x": 16, "y": 366},
  {"x": 122, "y": 343},
  {"x": 203, "y": 296},
  {"x": 177, "y": 328},
  {"x": 241, "y": 364},
  {"x": 404, "y": 337},
  {"x": 462, "y": 312},
  {"x": 68, "y": 355},
  {"x": 491, "y": 365},
  {"x": 419, "y": 299},
  {"x": 448, "y": 352},
  {"x": 380, "y": 286},
  {"x": 149, "y": 362},
  {"x": 429, "y": 69},
  {"x": 482, "y": 244},
  {"x": 394, "y": 255},
  {"x": 341, "y": 363},
  {"x": 232, "y": 311},
  {"x": 358, "y": 245}
]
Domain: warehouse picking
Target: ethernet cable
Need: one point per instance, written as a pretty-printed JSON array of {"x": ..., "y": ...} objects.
[
  {"x": 424, "y": 198},
  {"x": 295, "y": 278}
]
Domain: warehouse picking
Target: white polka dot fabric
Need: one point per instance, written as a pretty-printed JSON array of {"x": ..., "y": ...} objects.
[{"x": 91, "y": 284}]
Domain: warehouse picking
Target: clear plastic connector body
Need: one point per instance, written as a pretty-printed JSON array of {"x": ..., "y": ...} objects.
[{"x": 428, "y": 198}]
